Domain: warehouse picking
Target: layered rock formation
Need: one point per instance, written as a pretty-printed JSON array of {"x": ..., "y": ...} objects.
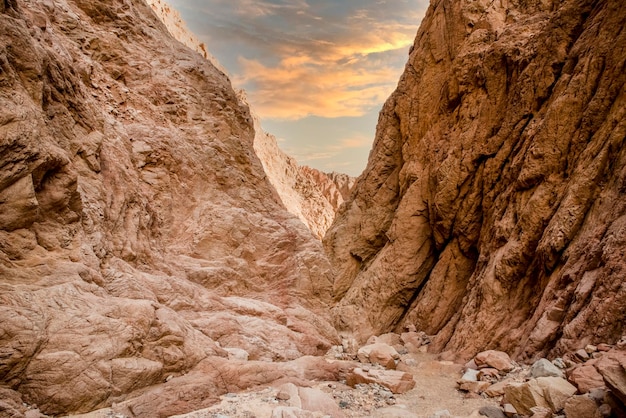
[
  {"x": 313, "y": 196},
  {"x": 178, "y": 29},
  {"x": 140, "y": 239},
  {"x": 492, "y": 210}
]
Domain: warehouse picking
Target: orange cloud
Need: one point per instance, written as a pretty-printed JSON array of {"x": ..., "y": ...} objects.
[{"x": 345, "y": 75}]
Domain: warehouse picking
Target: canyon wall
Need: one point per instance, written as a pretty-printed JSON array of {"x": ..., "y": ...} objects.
[
  {"x": 492, "y": 212},
  {"x": 141, "y": 243},
  {"x": 313, "y": 196}
]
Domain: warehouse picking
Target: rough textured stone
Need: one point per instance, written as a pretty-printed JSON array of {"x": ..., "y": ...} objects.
[
  {"x": 379, "y": 353},
  {"x": 541, "y": 412},
  {"x": 556, "y": 391},
  {"x": 491, "y": 412},
  {"x": 509, "y": 410},
  {"x": 315, "y": 400},
  {"x": 496, "y": 359},
  {"x": 524, "y": 396},
  {"x": 544, "y": 368},
  {"x": 491, "y": 211},
  {"x": 580, "y": 406},
  {"x": 474, "y": 387},
  {"x": 137, "y": 225},
  {"x": 585, "y": 377},
  {"x": 612, "y": 367},
  {"x": 395, "y": 381},
  {"x": 497, "y": 389}
]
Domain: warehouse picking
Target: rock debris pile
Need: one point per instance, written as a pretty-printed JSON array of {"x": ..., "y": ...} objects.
[{"x": 587, "y": 383}]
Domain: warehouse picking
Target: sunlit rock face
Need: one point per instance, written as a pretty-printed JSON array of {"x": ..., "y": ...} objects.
[
  {"x": 492, "y": 210},
  {"x": 313, "y": 196},
  {"x": 137, "y": 226}
]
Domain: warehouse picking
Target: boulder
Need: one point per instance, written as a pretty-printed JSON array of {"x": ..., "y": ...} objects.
[
  {"x": 580, "y": 406},
  {"x": 497, "y": 359},
  {"x": 488, "y": 374},
  {"x": 582, "y": 354},
  {"x": 524, "y": 396},
  {"x": 379, "y": 353},
  {"x": 474, "y": 387},
  {"x": 491, "y": 412},
  {"x": 412, "y": 341},
  {"x": 612, "y": 367},
  {"x": 289, "y": 392},
  {"x": 541, "y": 412},
  {"x": 317, "y": 401},
  {"x": 585, "y": 377},
  {"x": 470, "y": 375},
  {"x": 556, "y": 391},
  {"x": 290, "y": 412},
  {"x": 395, "y": 381},
  {"x": 497, "y": 389},
  {"x": 544, "y": 368},
  {"x": 509, "y": 410}
]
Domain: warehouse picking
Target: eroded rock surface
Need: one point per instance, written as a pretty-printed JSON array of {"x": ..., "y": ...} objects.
[
  {"x": 139, "y": 235},
  {"x": 313, "y": 196},
  {"x": 491, "y": 212}
]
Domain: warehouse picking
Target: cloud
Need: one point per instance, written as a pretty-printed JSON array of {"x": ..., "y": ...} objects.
[
  {"x": 300, "y": 86},
  {"x": 329, "y": 58}
]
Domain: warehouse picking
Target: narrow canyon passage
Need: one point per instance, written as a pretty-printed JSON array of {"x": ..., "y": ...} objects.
[{"x": 159, "y": 254}]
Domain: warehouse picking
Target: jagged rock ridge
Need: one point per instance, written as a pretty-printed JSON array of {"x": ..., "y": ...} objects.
[
  {"x": 137, "y": 227},
  {"x": 178, "y": 29},
  {"x": 313, "y": 196},
  {"x": 492, "y": 210}
]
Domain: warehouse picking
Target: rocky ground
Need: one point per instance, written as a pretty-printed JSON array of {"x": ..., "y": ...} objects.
[{"x": 588, "y": 383}]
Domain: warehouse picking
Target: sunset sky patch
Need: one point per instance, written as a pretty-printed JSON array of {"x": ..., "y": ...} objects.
[{"x": 316, "y": 72}]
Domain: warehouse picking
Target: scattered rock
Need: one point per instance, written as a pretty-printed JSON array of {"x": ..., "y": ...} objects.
[
  {"x": 544, "y": 368},
  {"x": 585, "y": 377},
  {"x": 315, "y": 400},
  {"x": 497, "y": 389},
  {"x": 496, "y": 359},
  {"x": 612, "y": 367},
  {"x": 540, "y": 412},
  {"x": 582, "y": 354},
  {"x": 556, "y": 391},
  {"x": 580, "y": 406},
  {"x": 470, "y": 375},
  {"x": 413, "y": 341},
  {"x": 491, "y": 412},
  {"x": 509, "y": 410},
  {"x": 379, "y": 353},
  {"x": 489, "y": 374},
  {"x": 524, "y": 396},
  {"x": 474, "y": 387},
  {"x": 396, "y": 381}
]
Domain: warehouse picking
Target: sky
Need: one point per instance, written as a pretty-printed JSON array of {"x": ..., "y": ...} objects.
[{"x": 317, "y": 72}]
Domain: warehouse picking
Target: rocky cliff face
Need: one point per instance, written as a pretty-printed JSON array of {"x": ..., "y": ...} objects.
[
  {"x": 178, "y": 29},
  {"x": 140, "y": 239},
  {"x": 492, "y": 210},
  {"x": 313, "y": 196}
]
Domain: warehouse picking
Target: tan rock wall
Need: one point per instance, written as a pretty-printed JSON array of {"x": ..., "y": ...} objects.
[
  {"x": 137, "y": 226},
  {"x": 313, "y": 196},
  {"x": 491, "y": 212}
]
